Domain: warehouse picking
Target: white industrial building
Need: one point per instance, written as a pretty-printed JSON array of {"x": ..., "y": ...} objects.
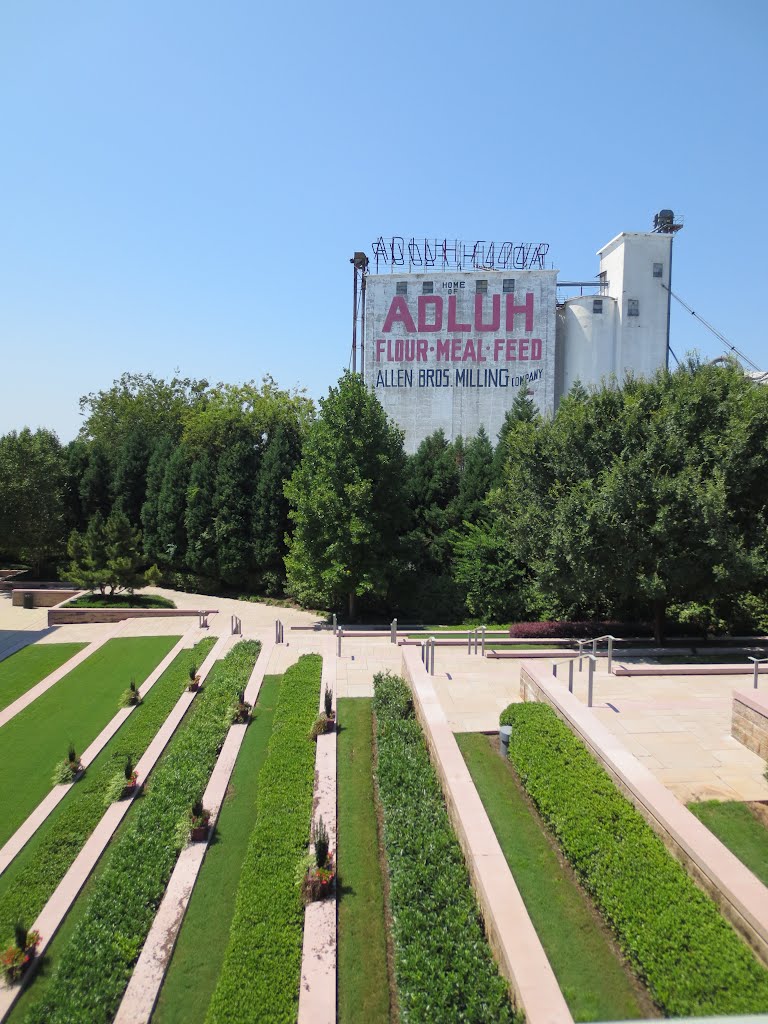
[{"x": 448, "y": 347}]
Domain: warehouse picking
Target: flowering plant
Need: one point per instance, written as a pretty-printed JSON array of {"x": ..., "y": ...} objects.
[
  {"x": 18, "y": 953},
  {"x": 319, "y": 881}
]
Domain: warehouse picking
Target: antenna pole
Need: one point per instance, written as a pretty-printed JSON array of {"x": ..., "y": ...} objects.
[{"x": 354, "y": 317}]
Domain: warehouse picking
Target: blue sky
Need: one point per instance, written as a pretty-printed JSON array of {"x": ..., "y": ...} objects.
[{"x": 182, "y": 183}]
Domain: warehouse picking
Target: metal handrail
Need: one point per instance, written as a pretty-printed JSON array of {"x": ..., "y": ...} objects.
[
  {"x": 591, "y": 679},
  {"x": 757, "y": 662}
]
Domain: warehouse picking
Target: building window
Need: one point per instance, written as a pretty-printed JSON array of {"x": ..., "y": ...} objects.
[
  {"x": 402, "y": 288},
  {"x": 633, "y": 307},
  {"x": 481, "y": 287},
  {"x": 427, "y": 287},
  {"x": 597, "y": 305},
  {"x": 508, "y": 285},
  {"x": 658, "y": 269}
]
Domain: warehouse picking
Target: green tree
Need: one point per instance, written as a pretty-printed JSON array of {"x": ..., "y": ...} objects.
[
  {"x": 106, "y": 557},
  {"x": 270, "y": 506},
  {"x": 33, "y": 507},
  {"x": 348, "y": 505}
]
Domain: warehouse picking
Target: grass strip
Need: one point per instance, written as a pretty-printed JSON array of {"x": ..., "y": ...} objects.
[
  {"x": 443, "y": 965},
  {"x": 594, "y": 980},
  {"x": 693, "y": 962},
  {"x": 262, "y": 967},
  {"x": 735, "y": 826},
  {"x": 96, "y": 964},
  {"x": 363, "y": 985},
  {"x": 29, "y": 882},
  {"x": 202, "y": 942},
  {"x": 27, "y": 667},
  {"x": 75, "y": 710}
]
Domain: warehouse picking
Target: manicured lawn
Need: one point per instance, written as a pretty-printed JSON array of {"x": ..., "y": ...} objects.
[
  {"x": 34, "y": 874},
  {"x": 363, "y": 982},
  {"x": 27, "y": 667},
  {"x": 202, "y": 942},
  {"x": 589, "y": 970},
  {"x": 75, "y": 710},
  {"x": 736, "y": 827}
]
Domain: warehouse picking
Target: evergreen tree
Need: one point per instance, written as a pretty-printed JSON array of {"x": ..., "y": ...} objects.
[{"x": 270, "y": 506}]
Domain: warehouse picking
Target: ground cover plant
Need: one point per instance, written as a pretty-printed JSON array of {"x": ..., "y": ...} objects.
[
  {"x": 96, "y": 963},
  {"x": 27, "y": 667},
  {"x": 443, "y": 966},
  {"x": 691, "y": 960},
  {"x": 735, "y": 826},
  {"x": 262, "y": 966},
  {"x": 75, "y": 711},
  {"x": 202, "y": 941},
  {"x": 595, "y": 982},
  {"x": 364, "y": 993},
  {"x": 121, "y": 601},
  {"x": 30, "y": 880}
]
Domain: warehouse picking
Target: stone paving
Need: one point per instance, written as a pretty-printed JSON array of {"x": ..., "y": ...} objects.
[{"x": 679, "y": 727}]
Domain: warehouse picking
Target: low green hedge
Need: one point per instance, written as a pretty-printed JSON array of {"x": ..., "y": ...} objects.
[
  {"x": 29, "y": 882},
  {"x": 443, "y": 966},
  {"x": 692, "y": 961},
  {"x": 260, "y": 976},
  {"x": 121, "y": 601},
  {"x": 96, "y": 964}
]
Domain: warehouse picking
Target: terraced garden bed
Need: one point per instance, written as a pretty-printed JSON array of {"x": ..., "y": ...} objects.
[
  {"x": 73, "y": 711},
  {"x": 27, "y": 667},
  {"x": 443, "y": 965},
  {"x": 92, "y": 959},
  {"x": 691, "y": 959},
  {"x": 595, "y": 980},
  {"x": 31, "y": 879}
]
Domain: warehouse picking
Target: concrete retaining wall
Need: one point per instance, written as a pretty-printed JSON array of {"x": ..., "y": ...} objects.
[
  {"x": 60, "y": 616},
  {"x": 42, "y": 598},
  {"x": 741, "y": 897},
  {"x": 749, "y": 721}
]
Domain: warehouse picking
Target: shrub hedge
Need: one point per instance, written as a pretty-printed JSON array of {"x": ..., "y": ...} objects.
[
  {"x": 443, "y": 966},
  {"x": 96, "y": 964},
  {"x": 692, "y": 961},
  {"x": 260, "y": 976},
  {"x": 29, "y": 882}
]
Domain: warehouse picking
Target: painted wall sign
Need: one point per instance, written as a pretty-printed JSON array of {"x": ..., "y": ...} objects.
[{"x": 447, "y": 353}]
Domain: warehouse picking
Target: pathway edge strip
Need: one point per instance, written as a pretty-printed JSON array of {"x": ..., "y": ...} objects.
[{"x": 510, "y": 931}]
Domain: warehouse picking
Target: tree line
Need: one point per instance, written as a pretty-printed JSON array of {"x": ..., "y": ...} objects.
[{"x": 643, "y": 502}]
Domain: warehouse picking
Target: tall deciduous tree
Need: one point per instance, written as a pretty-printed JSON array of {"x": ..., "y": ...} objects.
[{"x": 348, "y": 505}]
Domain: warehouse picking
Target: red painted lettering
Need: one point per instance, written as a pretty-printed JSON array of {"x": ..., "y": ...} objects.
[
  {"x": 511, "y": 350},
  {"x": 444, "y": 350},
  {"x": 469, "y": 351},
  {"x": 535, "y": 348},
  {"x": 456, "y": 350},
  {"x": 498, "y": 345},
  {"x": 436, "y": 302},
  {"x": 379, "y": 349},
  {"x": 452, "y": 325},
  {"x": 421, "y": 350},
  {"x": 513, "y": 310},
  {"x": 480, "y": 324},
  {"x": 399, "y": 313},
  {"x": 522, "y": 348}
]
